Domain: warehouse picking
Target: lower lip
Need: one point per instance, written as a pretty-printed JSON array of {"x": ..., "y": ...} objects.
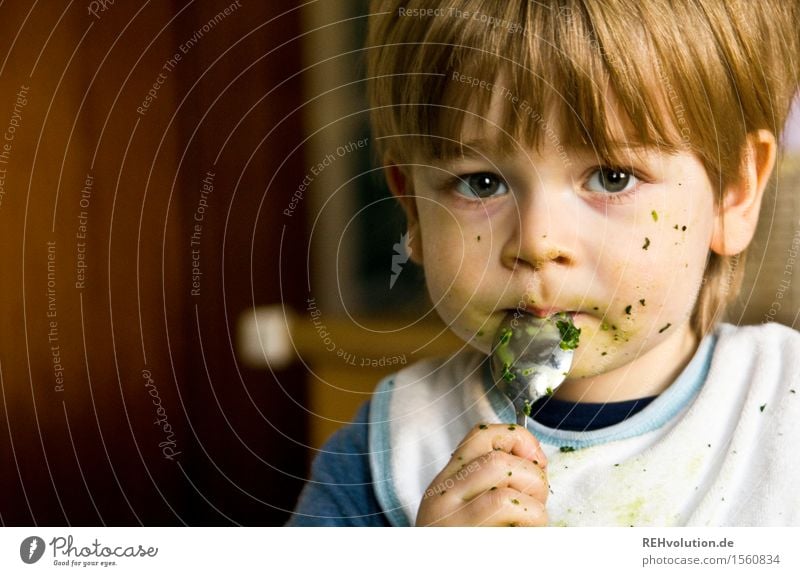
[{"x": 547, "y": 313}]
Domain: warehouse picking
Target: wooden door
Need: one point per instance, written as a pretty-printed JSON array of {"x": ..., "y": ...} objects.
[{"x": 142, "y": 149}]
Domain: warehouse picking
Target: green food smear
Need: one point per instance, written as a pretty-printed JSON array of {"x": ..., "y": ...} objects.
[
  {"x": 654, "y": 214},
  {"x": 527, "y": 408},
  {"x": 566, "y": 449},
  {"x": 505, "y": 356},
  {"x": 570, "y": 334}
]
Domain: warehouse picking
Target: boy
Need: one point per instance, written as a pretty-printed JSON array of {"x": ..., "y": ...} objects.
[{"x": 606, "y": 160}]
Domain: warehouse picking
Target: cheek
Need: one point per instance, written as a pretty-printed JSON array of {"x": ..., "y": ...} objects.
[
  {"x": 446, "y": 256},
  {"x": 661, "y": 262},
  {"x": 458, "y": 271}
]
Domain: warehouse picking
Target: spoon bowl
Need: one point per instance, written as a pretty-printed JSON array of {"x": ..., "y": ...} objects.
[{"x": 531, "y": 357}]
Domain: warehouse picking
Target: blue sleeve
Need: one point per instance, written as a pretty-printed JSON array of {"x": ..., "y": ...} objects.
[{"x": 340, "y": 491}]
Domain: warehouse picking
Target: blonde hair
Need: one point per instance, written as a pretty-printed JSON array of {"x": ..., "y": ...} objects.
[{"x": 688, "y": 75}]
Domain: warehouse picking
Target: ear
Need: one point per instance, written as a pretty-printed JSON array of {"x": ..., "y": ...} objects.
[
  {"x": 737, "y": 214},
  {"x": 399, "y": 181}
]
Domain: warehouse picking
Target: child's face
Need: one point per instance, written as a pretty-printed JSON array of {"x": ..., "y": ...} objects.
[{"x": 623, "y": 249}]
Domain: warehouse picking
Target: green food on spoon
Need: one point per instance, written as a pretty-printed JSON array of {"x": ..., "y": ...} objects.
[{"x": 570, "y": 334}]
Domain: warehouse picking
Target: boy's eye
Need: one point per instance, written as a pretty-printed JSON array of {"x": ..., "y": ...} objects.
[
  {"x": 610, "y": 180},
  {"x": 480, "y": 185}
]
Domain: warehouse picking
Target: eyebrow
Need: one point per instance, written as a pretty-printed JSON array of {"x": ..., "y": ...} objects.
[{"x": 477, "y": 146}]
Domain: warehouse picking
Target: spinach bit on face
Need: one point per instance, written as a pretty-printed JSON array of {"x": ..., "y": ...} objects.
[
  {"x": 654, "y": 214},
  {"x": 628, "y": 309},
  {"x": 665, "y": 327},
  {"x": 641, "y": 301},
  {"x": 570, "y": 334},
  {"x": 646, "y": 243},
  {"x": 483, "y": 426}
]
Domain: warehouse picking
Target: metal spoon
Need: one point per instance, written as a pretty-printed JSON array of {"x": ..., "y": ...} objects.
[{"x": 531, "y": 357}]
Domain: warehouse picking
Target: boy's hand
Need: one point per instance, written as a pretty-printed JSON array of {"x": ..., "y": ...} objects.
[{"x": 496, "y": 477}]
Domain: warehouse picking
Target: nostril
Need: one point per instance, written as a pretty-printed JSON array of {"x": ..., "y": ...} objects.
[{"x": 560, "y": 259}]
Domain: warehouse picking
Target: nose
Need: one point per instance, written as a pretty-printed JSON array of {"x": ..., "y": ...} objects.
[{"x": 544, "y": 231}]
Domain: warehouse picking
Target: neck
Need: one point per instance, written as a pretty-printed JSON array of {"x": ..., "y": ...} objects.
[{"x": 649, "y": 375}]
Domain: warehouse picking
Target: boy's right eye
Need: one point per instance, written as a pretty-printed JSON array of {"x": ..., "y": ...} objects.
[{"x": 480, "y": 185}]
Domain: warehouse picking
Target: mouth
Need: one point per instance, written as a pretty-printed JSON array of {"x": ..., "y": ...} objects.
[{"x": 550, "y": 311}]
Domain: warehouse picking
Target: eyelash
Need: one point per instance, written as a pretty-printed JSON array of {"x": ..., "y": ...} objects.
[
  {"x": 463, "y": 179},
  {"x": 452, "y": 184},
  {"x": 618, "y": 197}
]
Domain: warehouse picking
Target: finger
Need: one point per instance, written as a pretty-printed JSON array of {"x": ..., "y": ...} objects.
[
  {"x": 501, "y": 507},
  {"x": 498, "y": 469},
  {"x": 486, "y": 438}
]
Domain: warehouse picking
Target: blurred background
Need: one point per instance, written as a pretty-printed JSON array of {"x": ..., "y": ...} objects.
[{"x": 203, "y": 272}]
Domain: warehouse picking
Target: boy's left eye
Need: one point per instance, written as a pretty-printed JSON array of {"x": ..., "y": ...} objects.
[
  {"x": 611, "y": 180},
  {"x": 480, "y": 185}
]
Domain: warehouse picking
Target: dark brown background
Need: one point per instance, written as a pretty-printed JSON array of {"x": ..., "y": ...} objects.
[{"x": 90, "y": 454}]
